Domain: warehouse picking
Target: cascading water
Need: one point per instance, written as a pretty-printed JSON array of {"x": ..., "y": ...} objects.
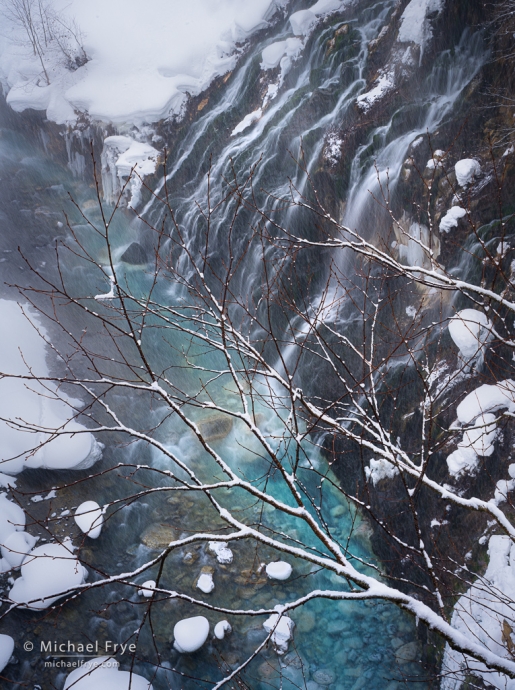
[{"x": 354, "y": 646}]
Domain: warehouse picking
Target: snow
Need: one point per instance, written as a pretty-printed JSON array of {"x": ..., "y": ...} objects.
[
  {"x": 450, "y": 220},
  {"x": 147, "y": 589},
  {"x": 205, "y": 583},
  {"x": 487, "y": 398},
  {"x": 415, "y": 25},
  {"x": 221, "y": 550},
  {"x": 272, "y": 56},
  {"x": 103, "y": 673},
  {"x": 247, "y": 121},
  {"x": 380, "y": 469},
  {"x": 466, "y": 170},
  {"x": 477, "y": 441},
  {"x": 142, "y": 68},
  {"x": 222, "y": 629},
  {"x": 89, "y": 518},
  {"x": 37, "y": 404},
  {"x": 46, "y": 571},
  {"x": 279, "y": 570},
  {"x": 282, "y": 633},
  {"x": 190, "y": 634},
  {"x": 469, "y": 331},
  {"x": 122, "y": 156},
  {"x": 384, "y": 83},
  {"x": 302, "y": 22},
  {"x": 6, "y": 650},
  {"x": 16, "y": 547},
  {"x": 480, "y": 614}
]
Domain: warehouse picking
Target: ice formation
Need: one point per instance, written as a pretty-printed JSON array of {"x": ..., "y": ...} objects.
[{"x": 121, "y": 157}]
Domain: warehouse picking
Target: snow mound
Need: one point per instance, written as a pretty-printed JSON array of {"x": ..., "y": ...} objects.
[
  {"x": 283, "y": 631},
  {"x": 477, "y": 441},
  {"x": 469, "y": 331},
  {"x": 103, "y": 673},
  {"x": 450, "y": 220},
  {"x": 222, "y": 629},
  {"x": 415, "y": 25},
  {"x": 484, "y": 614},
  {"x": 144, "y": 63},
  {"x": 14, "y": 542},
  {"x": 272, "y": 56},
  {"x": 16, "y": 547},
  {"x": 147, "y": 589},
  {"x": 205, "y": 583},
  {"x": 47, "y": 571},
  {"x": 380, "y": 469},
  {"x": 6, "y": 650},
  {"x": 122, "y": 156},
  {"x": 40, "y": 406},
  {"x": 487, "y": 398},
  {"x": 221, "y": 550},
  {"x": 466, "y": 170},
  {"x": 89, "y": 518},
  {"x": 190, "y": 634},
  {"x": 279, "y": 570}
]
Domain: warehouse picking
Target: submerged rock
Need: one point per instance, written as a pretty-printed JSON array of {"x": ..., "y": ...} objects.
[
  {"x": 158, "y": 536},
  {"x": 135, "y": 254},
  {"x": 216, "y": 427}
]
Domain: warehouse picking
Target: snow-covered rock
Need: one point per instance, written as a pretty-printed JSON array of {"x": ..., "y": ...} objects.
[
  {"x": 40, "y": 407},
  {"x": 147, "y": 589},
  {"x": 478, "y": 441},
  {"x": 302, "y": 22},
  {"x": 273, "y": 54},
  {"x": 466, "y": 170},
  {"x": 278, "y": 570},
  {"x": 16, "y": 547},
  {"x": 12, "y": 518},
  {"x": 487, "y": 398},
  {"x": 205, "y": 583},
  {"x": 282, "y": 633},
  {"x": 46, "y": 572},
  {"x": 103, "y": 673},
  {"x": 384, "y": 83},
  {"x": 247, "y": 121},
  {"x": 221, "y": 550},
  {"x": 6, "y": 650},
  {"x": 480, "y": 614},
  {"x": 380, "y": 468},
  {"x": 89, "y": 519},
  {"x": 222, "y": 629},
  {"x": 451, "y": 218},
  {"x": 469, "y": 329},
  {"x": 190, "y": 634},
  {"x": 415, "y": 24}
]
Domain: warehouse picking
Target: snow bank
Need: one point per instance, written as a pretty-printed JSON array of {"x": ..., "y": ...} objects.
[
  {"x": 451, "y": 218},
  {"x": 222, "y": 629},
  {"x": 6, "y": 650},
  {"x": 122, "y": 156},
  {"x": 279, "y": 570},
  {"x": 466, "y": 170},
  {"x": 415, "y": 25},
  {"x": 273, "y": 55},
  {"x": 485, "y": 615},
  {"x": 46, "y": 571},
  {"x": 282, "y": 633},
  {"x": 144, "y": 62},
  {"x": 380, "y": 469},
  {"x": 190, "y": 634},
  {"x": 147, "y": 589},
  {"x": 221, "y": 550},
  {"x": 469, "y": 329},
  {"x": 42, "y": 406},
  {"x": 103, "y": 674},
  {"x": 89, "y": 518},
  {"x": 487, "y": 398}
]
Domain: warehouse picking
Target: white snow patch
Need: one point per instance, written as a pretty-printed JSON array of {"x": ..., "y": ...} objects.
[
  {"x": 411, "y": 311},
  {"x": 247, "y": 121},
  {"x": 273, "y": 54},
  {"x": 147, "y": 589},
  {"x": 466, "y": 170},
  {"x": 190, "y": 634},
  {"x": 282, "y": 633},
  {"x": 122, "y": 156},
  {"x": 469, "y": 329},
  {"x": 40, "y": 406},
  {"x": 480, "y": 614},
  {"x": 221, "y": 550},
  {"x": 89, "y": 519},
  {"x": 487, "y": 398},
  {"x": 450, "y": 220},
  {"x": 415, "y": 25},
  {"x": 6, "y": 650},
  {"x": 278, "y": 570},
  {"x": 45, "y": 572},
  {"x": 380, "y": 469},
  {"x": 103, "y": 673},
  {"x": 222, "y": 629},
  {"x": 205, "y": 583},
  {"x": 384, "y": 83},
  {"x": 477, "y": 441}
]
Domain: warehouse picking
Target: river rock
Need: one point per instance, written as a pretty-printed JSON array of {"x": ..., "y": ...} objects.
[
  {"x": 158, "y": 536},
  {"x": 306, "y": 622},
  {"x": 324, "y": 676},
  {"x": 215, "y": 427},
  {"x": 135, "y": 254},
  {"x": 408, "y": 652}
]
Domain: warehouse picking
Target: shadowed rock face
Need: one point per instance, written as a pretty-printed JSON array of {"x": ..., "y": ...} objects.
[{"x": 135, "y": 254}]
